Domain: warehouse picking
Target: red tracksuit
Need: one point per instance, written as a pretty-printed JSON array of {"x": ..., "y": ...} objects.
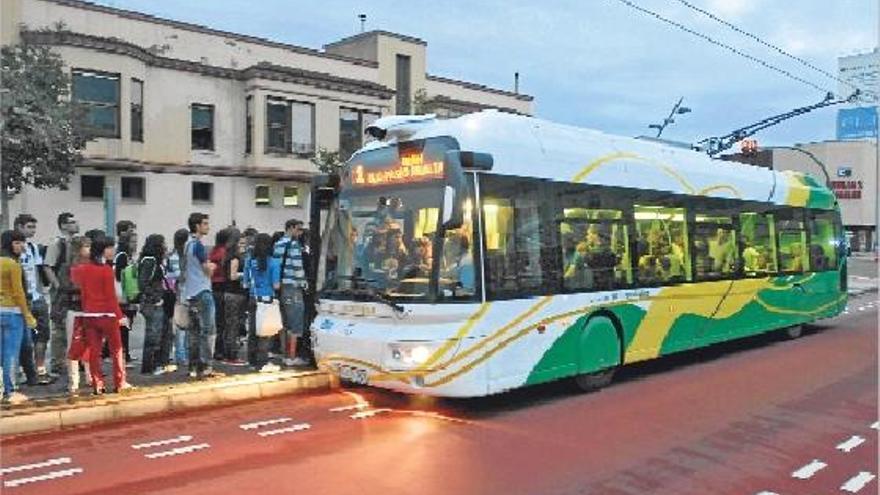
[{"x": 101, "y": 318}]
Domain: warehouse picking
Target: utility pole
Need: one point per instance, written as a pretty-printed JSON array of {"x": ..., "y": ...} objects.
[{"x": 677, "y": 109}]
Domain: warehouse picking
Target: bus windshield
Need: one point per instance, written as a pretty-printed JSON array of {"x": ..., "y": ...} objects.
[{"x": 381, "y": 241}]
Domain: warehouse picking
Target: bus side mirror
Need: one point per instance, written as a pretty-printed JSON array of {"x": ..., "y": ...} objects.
[{"x": 451, "y": 216}]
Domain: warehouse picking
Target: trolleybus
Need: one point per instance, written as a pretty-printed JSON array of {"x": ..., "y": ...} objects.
[{"x": 474, "y": 255}]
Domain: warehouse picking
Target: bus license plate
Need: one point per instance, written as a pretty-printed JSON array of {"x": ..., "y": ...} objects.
[{"x": 353, "y": 375}]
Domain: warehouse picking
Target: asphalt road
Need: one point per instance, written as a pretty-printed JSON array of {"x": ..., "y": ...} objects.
[{"x": 759, "y": 416}]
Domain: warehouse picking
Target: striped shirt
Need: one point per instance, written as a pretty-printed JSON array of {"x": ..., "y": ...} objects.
[{"x": 292, "y": 271}]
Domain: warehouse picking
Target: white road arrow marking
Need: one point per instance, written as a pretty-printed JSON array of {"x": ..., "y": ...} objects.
[
  {"x": 159, "y": 443},
  {"x": 178, "y": 451},
  {"x": 289, "y": 429},
  {"x": 258, "y": 424},
  {"x": 857, "y": 482},
  {"x": 876, "y": 425},
  {"x": 368, "y": 414},
  {"x": 43, "y": 477},
  {"x": 37, "y": 465},
  {"x": 349, "y": 408},
  {"x": 809, "y": 470},
  {"x": 853, "y": 442}
]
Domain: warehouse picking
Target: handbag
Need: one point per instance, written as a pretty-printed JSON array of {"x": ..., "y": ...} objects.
[
  {"x": 181, "y": 315},
  {"x": 268, "y": 319}
]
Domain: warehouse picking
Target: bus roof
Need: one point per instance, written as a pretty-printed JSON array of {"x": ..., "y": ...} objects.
[{"x": 530, "y": 147}]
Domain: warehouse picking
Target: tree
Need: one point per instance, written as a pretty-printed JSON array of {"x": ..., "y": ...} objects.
[
  {"x": 422, "y": 104},
  {"x": 43, "y": 132},
  {"x": 328, "y": 162}
]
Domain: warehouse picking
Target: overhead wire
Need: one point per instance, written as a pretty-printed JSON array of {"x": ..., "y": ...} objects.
[
  {"x": 758, "y": 39},
  {"x": 730, "y": 48}
]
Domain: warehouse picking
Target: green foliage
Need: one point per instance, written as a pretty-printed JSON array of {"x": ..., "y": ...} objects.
[
  {"x": 422, "y": 104},
  {"x": 42, "y": 130},
  {"x": 328, "y": 162}
]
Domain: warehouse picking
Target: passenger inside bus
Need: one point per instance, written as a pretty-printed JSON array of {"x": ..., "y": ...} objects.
[
  {"x": 592, "y": 263},
  {"x": 663, "y": 260},
  {"x": 418, "y": 263},
  {"x": 458, "y": 263}
]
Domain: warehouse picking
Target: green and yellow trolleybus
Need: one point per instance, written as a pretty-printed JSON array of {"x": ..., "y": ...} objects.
[{"x": 475, "y": 255}]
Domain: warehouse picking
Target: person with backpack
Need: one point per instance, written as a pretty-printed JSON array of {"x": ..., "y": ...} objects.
[
  {"x": 125, "y": 272},
  {"x": 262, "y": 278},
  {"x": 101, "y": 314},
  {"x": 34, "y": 344},
  {"x": 151, "y": 285},
  {"x": 15, "y": 314},
  {"x": 289, "y": 253},
  {"x": 58, "y": 258}
]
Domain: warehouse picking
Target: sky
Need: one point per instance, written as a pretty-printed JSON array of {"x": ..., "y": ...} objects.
[{"x": 595, "y": 63}]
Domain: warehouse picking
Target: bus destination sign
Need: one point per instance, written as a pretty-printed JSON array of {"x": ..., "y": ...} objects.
[{"x": 410, "y": 168}]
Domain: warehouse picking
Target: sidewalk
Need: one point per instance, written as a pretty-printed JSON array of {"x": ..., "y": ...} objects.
[{"x": 50, "y": 407}]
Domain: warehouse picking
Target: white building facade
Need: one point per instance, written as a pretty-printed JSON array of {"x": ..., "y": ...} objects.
[{"x": 189, "y": 118}]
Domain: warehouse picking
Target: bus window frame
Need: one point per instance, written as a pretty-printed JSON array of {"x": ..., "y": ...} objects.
[
  {"x": 795, "y": 213},
  {"x": 837, "y": 227}
]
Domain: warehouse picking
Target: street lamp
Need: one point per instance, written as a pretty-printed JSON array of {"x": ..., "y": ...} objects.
[{"x": 676, "y": 110}]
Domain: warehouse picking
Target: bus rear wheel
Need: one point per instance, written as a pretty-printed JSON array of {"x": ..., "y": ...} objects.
[
  {"x": 793, "y": 331},
  {"x": 590, "y": 382}
]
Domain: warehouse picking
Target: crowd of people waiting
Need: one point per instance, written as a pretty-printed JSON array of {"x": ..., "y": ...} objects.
[{"x": 198, "y": 305}]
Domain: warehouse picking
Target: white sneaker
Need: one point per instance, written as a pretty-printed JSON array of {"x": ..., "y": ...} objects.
[
  {"x": 170, "y": 368},
  {"x": 159, "y": 371},
  {"x": 125, "y": 387},
  {"x": 17, "y": 398},
  {"x": 270, "y": 368},
  {"x": 297, "y": 362},
  {"x": 288, "y": 362}
]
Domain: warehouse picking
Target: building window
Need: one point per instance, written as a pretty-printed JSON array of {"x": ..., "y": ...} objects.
[
  {"x": 291, "y": 196},
  {"x": 290, "y": 127},
  {"x": 202, "y": 127},
  {"x": 134, "y": 189},
  {"x": 262, "y": 196},
  {"x": 302, "y": 127},
  {"x": 99, "y": 93},
  {"x": 248, "y": 124},
  {"x": 404, "y": 96},
  {"x": 351, "y": 130},
  {"x": 91, "y": 187},
  {"x": 137, "y": 110},
  {"x": 202, "y": 192},
  {"x": 277, "y": 126}
]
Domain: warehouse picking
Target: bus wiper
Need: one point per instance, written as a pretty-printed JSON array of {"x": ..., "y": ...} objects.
[{"x": 363, "y": 289}]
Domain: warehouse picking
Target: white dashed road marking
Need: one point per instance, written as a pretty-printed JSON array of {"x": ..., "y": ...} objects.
[
  {"x": 853, "y": 442},
  {"x": 43, "y": 477},
  {"x": 767, "y": 493},
  {"x": 37, "y": 465},
  {"x": 177, "y": 451},
  {"x": 159, "y": 443},
  {"x": 368, "y": 414},
  {"x": 857, "y": 482},
  {"x": 258, "y": 424},
  {"x": 876, "y": 425},
  {"x": 809, "y": 470},
  {"x": 289, "y": 429}
]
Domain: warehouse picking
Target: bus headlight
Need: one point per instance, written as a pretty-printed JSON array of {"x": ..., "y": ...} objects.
[{"x": 411, "y": 354}]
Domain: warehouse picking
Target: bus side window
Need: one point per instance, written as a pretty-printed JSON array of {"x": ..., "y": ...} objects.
[
  {"x": 758, "y": 235},
  {"x": 792, "y": 235},
  {"x": 661, "y": 245},
  {"x": 512, "y": 226},
  {"x": 595, "y": 249},
  {"x": 714, "y": 247},
  {"x": 823, "y": 241}
]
